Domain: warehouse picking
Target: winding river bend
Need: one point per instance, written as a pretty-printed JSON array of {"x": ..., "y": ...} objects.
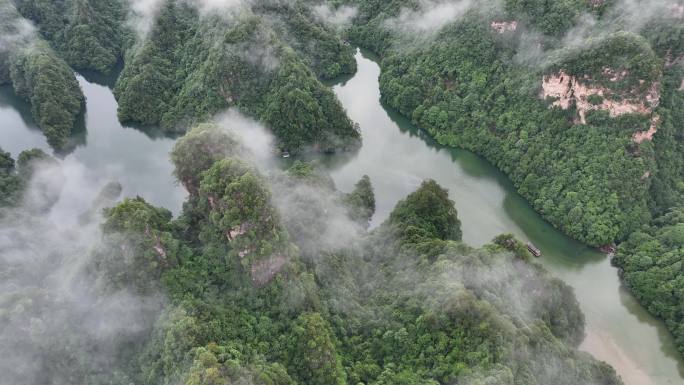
[{"x": 397, "y": 157}]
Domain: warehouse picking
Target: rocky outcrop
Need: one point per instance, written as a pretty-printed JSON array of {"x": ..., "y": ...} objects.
[
  {"x": 641, "y": 136},
  {"x": 568, "y": 90},
  {"x": 504, "y": 26}
]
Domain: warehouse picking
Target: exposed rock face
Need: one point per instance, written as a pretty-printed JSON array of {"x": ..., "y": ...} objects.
[
  {"x": 504, "y": 26},
  {"x": 264, "y": 271},
  {"x": 640, "y": 136},
  {"x": 568, "y": 90},
  {"x": 677, "y": 11}
]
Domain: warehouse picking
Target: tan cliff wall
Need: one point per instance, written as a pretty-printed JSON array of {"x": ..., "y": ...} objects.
[{"x": 568, "y": 90}]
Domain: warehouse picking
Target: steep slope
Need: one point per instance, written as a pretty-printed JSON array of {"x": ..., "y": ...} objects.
[
  {"x": 578, "y": 102},
  {"x": 222, "y": 295},
  {"x": 40, "y": 76},
  {"x": 487, "y": 79},
  {"x": 192, "y": 65},
  {"x": 90, "y": 34}
]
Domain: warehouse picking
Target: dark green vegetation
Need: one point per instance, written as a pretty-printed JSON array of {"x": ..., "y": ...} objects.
[
  {"x": 43, "y": 79},
  {"x": 40, "y": 76},
  {"x": 90, "y": 34},
  {"x": 652, "y": 258},
  {"x": 15, "y": 176},
  {"x": 407, "y": 303},
  {"x": 472, "y": 86},
  {"x": 652, "y": 265},
  {"x": 465, "y": 88},
  {"x": 10, "y": 182},
  {"x": 248, "y": 289},
  {"x": 266, "y": 58},
  {"x": 261, "y": 60}
]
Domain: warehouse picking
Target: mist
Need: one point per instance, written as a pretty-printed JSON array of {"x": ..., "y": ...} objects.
[
  {"x": 624, "y": 15},
  {"x": 339, "y": 17},
  {"x": 15, "y": 29},
  {"x": 62, "y": 320},
  {"x": 430, "y": 16},
  {"x": 312, "y": 211}
]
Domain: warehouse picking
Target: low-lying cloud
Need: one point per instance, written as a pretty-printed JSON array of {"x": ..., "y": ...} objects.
[
  {"x": 430, "y": 16},
  {"x": 60, "y": 322},
  {"x": 339, "y": 17}
]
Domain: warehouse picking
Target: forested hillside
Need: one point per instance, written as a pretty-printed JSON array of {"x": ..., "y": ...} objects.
[
  {"x": 38, "y": 75},
  {"x": 234, "y": 291},
  {"x": 578, "y": 102},
  {"x": 266, "y": 58},
  {"x": 272, "y": 277},
  {"x": 568, "y": 114}
]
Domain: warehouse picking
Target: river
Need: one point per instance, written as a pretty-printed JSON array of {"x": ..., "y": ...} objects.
[
  {"x": 104, "y": 151},
  {"x": 397, "y": 157}
]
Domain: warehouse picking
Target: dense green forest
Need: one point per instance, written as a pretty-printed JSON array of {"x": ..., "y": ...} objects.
[
  {"x": 474, "y": 87},
  {"x": 39, "y": 75},
  {"x": 228, "y": 295},
  {"x": 578, "y": 102},
  {"x": 651, "y": 260},
  {"x": 90, "y": 34},
  {"x": 265, "y": 60}
]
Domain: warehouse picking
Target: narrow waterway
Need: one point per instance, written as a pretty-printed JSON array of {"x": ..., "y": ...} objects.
[
  {"x": 398, "y": 157},
  {"x": 102, "y": 150}
]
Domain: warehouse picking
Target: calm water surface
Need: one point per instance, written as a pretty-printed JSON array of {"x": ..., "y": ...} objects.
[
  {"x": 398, "y": 158},
  {"x": 103, "y": 151}
]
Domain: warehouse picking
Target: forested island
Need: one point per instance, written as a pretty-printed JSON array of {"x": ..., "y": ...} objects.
[{"x": 579, "y": 102}]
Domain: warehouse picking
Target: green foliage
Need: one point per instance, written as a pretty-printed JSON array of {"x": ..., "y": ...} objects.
[
  {"x": 46, "y": 81},
  {"x": 361, "y": 201},
  {"x": 407, "y": 316},
  {"x": 238, "y": 209},
  {"x": 620, "y": 51},
  {"x": 312, "y": 356},
  {"x": 652, "y": 266},
  {"x": 383, "y": 311},
  {"x": 550, "y": 17},
  {"x": 510, "y": 243},
  {"x": 191, "y": 67},
  {"x": 15, "y": 178},
  {"x": 10, "y": 183},
  {"x": 146, "y": 245},
  {"x": 467, "y": 90},
  {"x": 309, "y": 173},
  {"x": 28, "y": 162},
  {"x": 219, "y": 365},
  {"x": 429, "y": 210},
  {"x": 90, "y": 34},
  {"x": 319, "y": 46},
  {"x": 197, "y": 151}
]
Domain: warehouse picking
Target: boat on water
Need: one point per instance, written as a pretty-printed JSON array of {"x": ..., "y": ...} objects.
[{"x": 534, "y": 250}]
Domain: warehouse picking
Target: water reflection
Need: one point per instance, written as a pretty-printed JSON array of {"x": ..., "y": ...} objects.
[{"x": 105, "y": 149}]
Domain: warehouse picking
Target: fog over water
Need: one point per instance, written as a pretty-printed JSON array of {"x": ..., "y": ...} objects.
[{"x": 398, "y": 158}]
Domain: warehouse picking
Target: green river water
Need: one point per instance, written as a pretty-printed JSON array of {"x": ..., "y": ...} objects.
[{"x": 397, "y": 157}]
